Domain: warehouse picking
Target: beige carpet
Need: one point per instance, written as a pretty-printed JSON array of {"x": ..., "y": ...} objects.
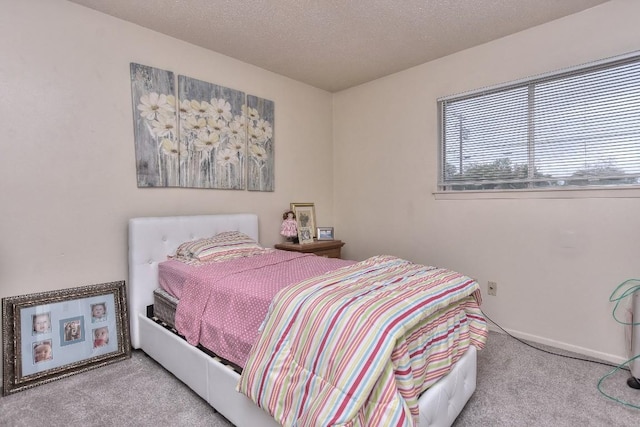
[{"x": 517, "y": 386}]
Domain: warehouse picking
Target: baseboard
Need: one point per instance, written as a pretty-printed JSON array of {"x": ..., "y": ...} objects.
[{"x": 611, "y": 358}]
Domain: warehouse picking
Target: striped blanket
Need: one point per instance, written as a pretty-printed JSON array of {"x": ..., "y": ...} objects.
[{"x": 358, "y": 345}]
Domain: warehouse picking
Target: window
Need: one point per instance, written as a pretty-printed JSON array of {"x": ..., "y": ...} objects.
[{"x": 578, "y": 128}]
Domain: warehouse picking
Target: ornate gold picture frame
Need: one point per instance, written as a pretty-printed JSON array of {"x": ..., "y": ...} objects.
[{"x": 51, "y": 335}]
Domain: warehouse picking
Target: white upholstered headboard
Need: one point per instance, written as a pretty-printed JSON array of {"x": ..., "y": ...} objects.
[{"x": 151, "y": 239}]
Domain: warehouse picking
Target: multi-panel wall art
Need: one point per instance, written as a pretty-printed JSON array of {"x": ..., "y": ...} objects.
[
  {"x": 260, "y": 138},
  {"x": 208, "y": 136},
  {"x": 155, "y": 128}
]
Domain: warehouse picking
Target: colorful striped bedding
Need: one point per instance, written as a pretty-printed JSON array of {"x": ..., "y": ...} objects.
[{"x": 357, "y": 346}]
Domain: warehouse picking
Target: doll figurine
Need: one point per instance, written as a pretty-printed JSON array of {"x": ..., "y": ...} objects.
[{"x": 289, "y": 228}]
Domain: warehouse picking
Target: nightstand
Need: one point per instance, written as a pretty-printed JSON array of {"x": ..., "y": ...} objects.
[{"x": 326, "y": 248}]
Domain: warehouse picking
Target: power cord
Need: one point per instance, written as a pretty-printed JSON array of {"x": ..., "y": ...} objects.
[{"x": 547, "y": 351}]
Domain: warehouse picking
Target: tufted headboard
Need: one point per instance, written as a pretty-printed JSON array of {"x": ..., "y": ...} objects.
[{"x": 151, "y": 239}]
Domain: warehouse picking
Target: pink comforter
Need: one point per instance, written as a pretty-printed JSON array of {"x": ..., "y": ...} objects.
[{"x": 222, "y": 305}]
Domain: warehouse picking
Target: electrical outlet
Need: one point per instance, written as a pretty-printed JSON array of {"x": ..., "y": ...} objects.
[{"x": 492, "y": 288}]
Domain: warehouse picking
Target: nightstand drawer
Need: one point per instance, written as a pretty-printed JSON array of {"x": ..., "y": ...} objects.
[
  {"x": 329, "y": 253},
  {"x": 325, "y": 248}
]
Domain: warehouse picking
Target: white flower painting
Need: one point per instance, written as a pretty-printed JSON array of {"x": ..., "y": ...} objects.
[
  {"x": 209, "y": 137},
  {"x": 259, "y": 114},
  {"x": 213, "y": 130},
  {"x": 155, "y": 127}
]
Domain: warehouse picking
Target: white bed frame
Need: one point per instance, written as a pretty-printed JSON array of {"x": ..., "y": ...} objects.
[{"x": 150, "y": 241}]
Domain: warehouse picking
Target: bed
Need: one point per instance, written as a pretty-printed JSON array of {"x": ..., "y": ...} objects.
[{"x": 151, "y": 241}]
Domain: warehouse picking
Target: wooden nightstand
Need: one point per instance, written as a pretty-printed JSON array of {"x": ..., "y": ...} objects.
[{"x": 326, "y": 248}]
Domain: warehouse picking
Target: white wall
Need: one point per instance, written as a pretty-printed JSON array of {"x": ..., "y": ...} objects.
[
  {"x": 68, "y": 183},
  {"x": 556, "y": 261},
  {"x": 67, "y": 163}
]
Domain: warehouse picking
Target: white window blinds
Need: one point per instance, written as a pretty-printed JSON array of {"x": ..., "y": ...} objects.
[{"x": 576, "y": 128}]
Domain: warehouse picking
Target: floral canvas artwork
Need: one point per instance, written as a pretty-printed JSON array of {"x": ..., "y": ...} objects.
[
  {"x": 208, "y": 136},
  {"x": 260, "y": 138},
  {"x": 213, "y": 134},
  {"x": 155, "y": 127}
]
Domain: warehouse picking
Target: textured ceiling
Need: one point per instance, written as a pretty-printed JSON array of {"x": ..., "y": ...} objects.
[{"x": 337, "y": 44}]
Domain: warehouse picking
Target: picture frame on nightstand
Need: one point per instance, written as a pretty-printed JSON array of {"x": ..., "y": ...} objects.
[
  {"x": 305, "y": 235},
  {"x": 305, "y": 216},
  {"x": 324, "y": 233}
]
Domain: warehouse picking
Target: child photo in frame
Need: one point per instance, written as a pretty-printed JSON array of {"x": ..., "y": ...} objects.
[
  {"x": 41, "y": 323},
  {"x": 99, "y": 312},
  {"x": 42, "y": 351},
  {"x": 100, "y": 337}
]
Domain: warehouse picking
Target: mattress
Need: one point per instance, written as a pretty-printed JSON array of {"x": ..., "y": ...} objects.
[{"x": 164, "y": 307}]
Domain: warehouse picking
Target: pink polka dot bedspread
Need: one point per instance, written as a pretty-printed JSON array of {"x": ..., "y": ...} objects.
[{"x": 222, "y": 304}]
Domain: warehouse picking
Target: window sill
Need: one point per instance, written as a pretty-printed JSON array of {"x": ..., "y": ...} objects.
[{"x": 559, "y": 193}]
